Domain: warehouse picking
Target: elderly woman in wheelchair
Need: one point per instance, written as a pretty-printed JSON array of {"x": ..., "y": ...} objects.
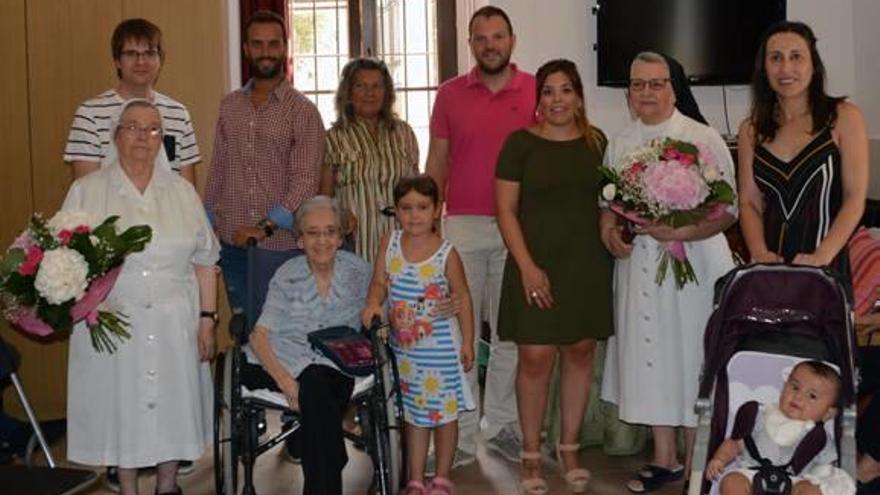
[{"x": 324, "y": 288}]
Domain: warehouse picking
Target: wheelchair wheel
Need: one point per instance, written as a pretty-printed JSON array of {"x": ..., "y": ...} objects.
[
  {"x": 386, "y": 429},
  {"x": 226, "y": 440}
]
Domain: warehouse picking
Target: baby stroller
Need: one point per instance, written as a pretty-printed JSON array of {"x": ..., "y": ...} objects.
[{"x": 767, "y": 318}]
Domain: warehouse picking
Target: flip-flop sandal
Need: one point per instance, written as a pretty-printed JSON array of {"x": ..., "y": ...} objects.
[{"x": 653, "y": 477}]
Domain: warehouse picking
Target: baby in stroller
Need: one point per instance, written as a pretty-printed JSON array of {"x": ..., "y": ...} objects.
[
  {"x": 767, "y": 321},
  {"x": 790, "y": 433}
]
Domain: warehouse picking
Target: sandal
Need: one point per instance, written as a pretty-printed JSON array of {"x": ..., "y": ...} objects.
[
  {"x": 440, "y": 486},
  {"x": 653, "y": 477},
  {"x": 415, "y": 485},
  {"x": 532, "y": 486},
  {"x": 577, "y": 478}
]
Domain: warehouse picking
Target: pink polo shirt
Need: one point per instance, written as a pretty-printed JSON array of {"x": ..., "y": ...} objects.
[{"x": 477, "y": 122}]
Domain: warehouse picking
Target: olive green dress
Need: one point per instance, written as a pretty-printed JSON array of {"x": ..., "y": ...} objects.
[{"x": 559, "y": 217}]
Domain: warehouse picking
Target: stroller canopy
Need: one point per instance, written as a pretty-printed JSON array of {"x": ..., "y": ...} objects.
[{"x": 800, "y": 303}]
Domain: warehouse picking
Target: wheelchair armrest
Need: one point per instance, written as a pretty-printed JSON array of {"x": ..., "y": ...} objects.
[{"x": 238, "y": 328}]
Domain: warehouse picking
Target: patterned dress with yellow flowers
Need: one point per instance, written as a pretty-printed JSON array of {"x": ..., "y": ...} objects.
[{"x": 427, "y": 347}]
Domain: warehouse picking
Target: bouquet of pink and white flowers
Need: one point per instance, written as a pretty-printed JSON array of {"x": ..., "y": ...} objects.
[
  {"x": 669, "y": 182},
  {"x": 58, "y": 273}
]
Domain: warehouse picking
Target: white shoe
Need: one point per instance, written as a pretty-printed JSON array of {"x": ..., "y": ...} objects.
[{"x": 507, "y": 444}]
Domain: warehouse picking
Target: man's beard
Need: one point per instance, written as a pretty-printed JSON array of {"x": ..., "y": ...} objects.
[
  {"x": 270, "y": 72},
  {"x": 486, "y": 69}
]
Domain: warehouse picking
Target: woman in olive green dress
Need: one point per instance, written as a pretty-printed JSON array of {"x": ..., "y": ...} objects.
[{"x": 556, "y": 294}]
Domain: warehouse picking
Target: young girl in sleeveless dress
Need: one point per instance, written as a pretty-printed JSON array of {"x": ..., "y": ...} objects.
[{"x": 415, "y": 269}]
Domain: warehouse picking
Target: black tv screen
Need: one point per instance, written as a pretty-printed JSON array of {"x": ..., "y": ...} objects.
[{"x": 715, "y": 40}]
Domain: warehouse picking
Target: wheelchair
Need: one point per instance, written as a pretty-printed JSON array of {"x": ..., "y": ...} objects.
[{"x": 240, "y": 425}]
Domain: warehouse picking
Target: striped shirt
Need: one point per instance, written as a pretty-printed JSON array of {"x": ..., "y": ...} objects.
[
  {"x": 89, "y": 137},
  {"x": 366, "y": 167},
  {"x": 264, "y": 157}
]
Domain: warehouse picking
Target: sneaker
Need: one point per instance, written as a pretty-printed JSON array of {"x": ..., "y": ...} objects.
[
  {"x": 111, "y": 479},
  {"x": 185, "y": 467},
  {"x": 459, "y": 459},
  {"x": 506, "y": 443}
]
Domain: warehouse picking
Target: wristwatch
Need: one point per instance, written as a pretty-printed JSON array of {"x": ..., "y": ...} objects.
[
  {"x": 210, "y": 314},
  {"x": 267, "y": 226}
]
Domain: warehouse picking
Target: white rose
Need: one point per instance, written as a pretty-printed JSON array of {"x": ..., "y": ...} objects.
[
  {"x": 711, "y": 174},
  {"x": 609, "y": 191},
  {"x": 71, "y": 219},
  {"x": 62, "y": 275}
]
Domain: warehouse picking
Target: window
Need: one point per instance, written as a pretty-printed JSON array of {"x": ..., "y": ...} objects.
[
  {"x": 408, "y": 44},
  {"x": 403, "y": 33},
  {"x": 320, "y": 50}
]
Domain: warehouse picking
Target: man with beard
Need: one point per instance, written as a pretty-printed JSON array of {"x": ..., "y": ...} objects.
[
  {"x": 138, "y": 53},
  {"x": 473, "y": 115},
  {"x": 268, "y": 148}
]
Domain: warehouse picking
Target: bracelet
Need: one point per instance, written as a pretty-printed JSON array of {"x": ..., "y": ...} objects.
[{"x": 210, "y": 314}]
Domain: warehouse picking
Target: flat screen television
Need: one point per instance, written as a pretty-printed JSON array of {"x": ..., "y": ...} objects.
[{"x": 715, "y": 40}]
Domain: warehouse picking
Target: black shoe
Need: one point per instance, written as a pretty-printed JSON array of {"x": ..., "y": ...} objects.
[
  {"x": 177, "y": 491},
  {"x": 292, "y": 452},
  {"x": 869, "y": 487},
  {"x": 111, "y": 479}
]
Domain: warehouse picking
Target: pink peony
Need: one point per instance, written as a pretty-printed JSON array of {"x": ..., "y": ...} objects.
[
  {"x": 674, "y": 186},
  {"x": 64, "y": 236}
]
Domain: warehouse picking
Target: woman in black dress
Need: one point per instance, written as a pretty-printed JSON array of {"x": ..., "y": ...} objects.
[
  {"x": 803, "y": 157},
  {"x": 803, "y": 173}
]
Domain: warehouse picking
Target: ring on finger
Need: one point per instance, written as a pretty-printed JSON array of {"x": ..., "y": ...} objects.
[{"x": 534, "y": 294}]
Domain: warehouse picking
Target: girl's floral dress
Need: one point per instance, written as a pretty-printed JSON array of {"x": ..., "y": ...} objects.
[{"x": 432, "y": 380}]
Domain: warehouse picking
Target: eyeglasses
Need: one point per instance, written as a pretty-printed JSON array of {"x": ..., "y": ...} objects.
[
  {"x": 330, "y": 233},
  {"x": 150, "y": 54},
  {"x": 135, "y": 130},
  {"x": 654, "y": 84}
]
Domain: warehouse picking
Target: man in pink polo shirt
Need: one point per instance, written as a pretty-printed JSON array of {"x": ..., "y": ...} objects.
[{"x": 473, "y": 115}]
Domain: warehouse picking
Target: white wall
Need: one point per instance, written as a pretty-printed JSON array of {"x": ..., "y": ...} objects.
[
  {"x": 566, "y": 28},
  {"x": 866, "y": 14}
]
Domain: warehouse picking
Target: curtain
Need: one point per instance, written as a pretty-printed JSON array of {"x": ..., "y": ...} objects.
[{"x": 247, "y": 9}]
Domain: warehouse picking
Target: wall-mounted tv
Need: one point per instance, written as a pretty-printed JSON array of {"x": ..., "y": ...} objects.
[{"x": 715, "y": 40}]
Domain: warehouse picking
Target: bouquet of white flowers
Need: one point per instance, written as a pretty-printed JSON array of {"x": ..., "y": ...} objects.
[{"x": 57, "y": 273}]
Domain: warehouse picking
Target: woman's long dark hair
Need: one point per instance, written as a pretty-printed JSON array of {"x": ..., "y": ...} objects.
[
  {"x": 567, "y": 67},
  {"x": 764, "y": 101}
]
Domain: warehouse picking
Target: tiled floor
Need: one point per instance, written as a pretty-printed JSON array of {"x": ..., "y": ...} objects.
[{"x": 489, "y": 475}]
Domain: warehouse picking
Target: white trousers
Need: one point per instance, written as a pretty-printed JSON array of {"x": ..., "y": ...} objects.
[{"x": 483, "y": 253}]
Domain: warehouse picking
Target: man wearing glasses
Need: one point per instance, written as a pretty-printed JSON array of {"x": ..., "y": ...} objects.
[{"x": 136, "y": 45}]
